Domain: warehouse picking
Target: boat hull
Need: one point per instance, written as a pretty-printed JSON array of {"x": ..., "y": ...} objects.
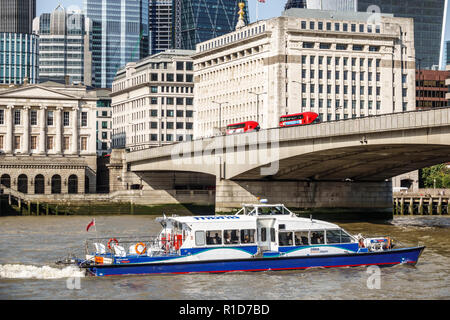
[{"x": 383, "y": 258}]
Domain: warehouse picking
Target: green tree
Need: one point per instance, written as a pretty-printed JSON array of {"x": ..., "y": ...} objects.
[{"x": 436, "y": 176}]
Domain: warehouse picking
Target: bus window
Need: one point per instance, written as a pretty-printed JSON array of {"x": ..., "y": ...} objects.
[
  {"x": 317, "y": 237},
  {"x": 214, "y": 237}
]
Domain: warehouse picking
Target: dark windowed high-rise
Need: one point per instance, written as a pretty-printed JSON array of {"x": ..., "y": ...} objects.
[
  {"x": 120, "y": 35},
  {"x": 160, "y": 22},
  {"x": 17, "y": 15},
  {"x": 295, "y": 4},
  {"x": 196, "y": 21},
  {"x": 428, "y": 16}
]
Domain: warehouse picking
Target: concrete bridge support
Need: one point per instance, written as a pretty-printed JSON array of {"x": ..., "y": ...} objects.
[{"x": 321, "y": 199}]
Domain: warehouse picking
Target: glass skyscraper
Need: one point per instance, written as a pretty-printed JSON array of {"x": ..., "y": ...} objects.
[
  {"x": 196, "y": 21},
  {"x": 17, "y": 15},
  {"x": 120, "y": 35},
  {"x": 428, "y": 20},
  {"x": 160, "y": 22},
  {"x": 19, "y": 50},
  {"x": 64, "y": 46}
]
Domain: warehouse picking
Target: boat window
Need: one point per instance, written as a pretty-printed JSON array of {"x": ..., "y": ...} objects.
[
  {"x": 199, "y": 238},
  {"x": 248, "y": 236},
  {"x": 263, "y": 234},
  {"x": 333, "y": 236},
  {"x": 301, "y": 238},
  {"x": 231, "y": 237},
  {"x": 337, "y": 236},
  {"x": 270, "y": 211},
  {"x": 317, "y": 237},
  {"x": 345, "y": 237},
  {"x": 284, "y": 238},
  {"x": 272, "y": 234},
  {"x": 214, "y": 237}
]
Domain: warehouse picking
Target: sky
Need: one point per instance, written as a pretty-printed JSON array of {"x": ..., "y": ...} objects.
[{"x": 269, "y": 9}]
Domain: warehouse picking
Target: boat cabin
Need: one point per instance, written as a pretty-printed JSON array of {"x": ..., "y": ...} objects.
[{"x": 255, "y": 229}]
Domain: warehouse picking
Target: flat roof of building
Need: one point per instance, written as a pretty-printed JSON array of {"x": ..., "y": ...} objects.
[{"x": 331, "y": 15}]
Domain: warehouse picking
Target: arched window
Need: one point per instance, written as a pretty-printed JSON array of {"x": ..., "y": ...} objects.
[
  {"x": 39, "y": 184},
  {"x": 5, "y": 180},
  {"x": 73, "y": 184},
  {"x": 22, "y": 183},
  {"x": 56, "y": 184}
]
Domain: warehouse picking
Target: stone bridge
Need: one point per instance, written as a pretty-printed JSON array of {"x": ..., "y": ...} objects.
[{"x": 343, "y": 165}]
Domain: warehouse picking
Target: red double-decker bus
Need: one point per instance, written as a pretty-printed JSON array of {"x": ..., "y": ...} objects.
[
  {"x": 243, "y": 127},
  {"x": 299, "y": 119}
]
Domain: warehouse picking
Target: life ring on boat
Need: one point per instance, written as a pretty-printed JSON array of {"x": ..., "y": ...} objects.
[
  {"x": 141, "y": 252},
  {"x": 111, "y": 240}
]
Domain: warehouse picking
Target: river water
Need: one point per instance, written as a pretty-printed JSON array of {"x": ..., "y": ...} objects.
[{"x": 30, "y": 245}]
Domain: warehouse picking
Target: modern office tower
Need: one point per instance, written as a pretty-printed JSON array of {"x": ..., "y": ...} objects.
[
  {"x": 336, "y": 64},
  {"x": 18, "y": 47},
  {"x": 47, "y": 138},
  {"x": 160, "y": 22},
  {"x": 19, "y": 58},
  {"x": 64, "y": 46},
  {"x": 104, "y": 124},
  {"x": 431, "y": 89},
  {"x": 196, "y": 21},
  {"x": 120, "y": 35},
  {"x": 337, "y": 5},
  {"x": 152, "y": 101},
  {"x": 16, "y": 16},
  {"x": 428, "y": 25}
]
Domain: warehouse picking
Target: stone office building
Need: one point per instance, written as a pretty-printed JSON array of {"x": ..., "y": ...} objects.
[
  {"x": 48, "y": 139},
  {"x": 337, "y": 64}
]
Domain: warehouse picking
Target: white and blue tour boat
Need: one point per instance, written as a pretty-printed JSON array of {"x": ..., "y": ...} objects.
[{"x": 259, "y": 237}]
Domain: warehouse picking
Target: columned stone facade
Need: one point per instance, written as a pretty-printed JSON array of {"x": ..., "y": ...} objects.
[{"x": 48, "y": 139}]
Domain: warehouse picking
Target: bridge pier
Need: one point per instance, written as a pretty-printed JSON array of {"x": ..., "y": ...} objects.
[{"x": 340, "y": 200}]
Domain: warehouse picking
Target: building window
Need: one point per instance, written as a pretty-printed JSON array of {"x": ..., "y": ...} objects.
[
  {"x": 189, "y": 66},
  {"x": 33, "y": 117},
  {"x": 17, "y": 117},
  {"x": 169, "y": 77},
  {"x": 180, "y": 65},
  {"x": 104, "y": 124},
  {"x": 154, "y": 89},
  {"x": 50, "y": 118},
  {"x": 66, "y": 143},
  {"x": 153, "y": 137},
  {"x": 180, "y": 125},
  {"x": 189, "y": 125},
  {"x": 2, "y": 116},
  {"x": 66, "y": 119},
  {"x": 49, "y": 142},
  {"x": 189, "y": 101},
  {"x": 83, "y": 143},
  {"x": 357, "y": 47},
  {"x": 169, "y": 137},
  {"x": 153, "y": 113},
  {"x": 34, "y": 142},
  {"x": 17, "y": 142},
  {"x": 1, "y": 142},
  {"x": 189, "y": 114},
  {"x": 308, "y": 45},
  {"x": 84, "y": 119}
]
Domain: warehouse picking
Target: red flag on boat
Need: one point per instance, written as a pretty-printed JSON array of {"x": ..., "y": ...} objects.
[{"x": 90, "y": 225}]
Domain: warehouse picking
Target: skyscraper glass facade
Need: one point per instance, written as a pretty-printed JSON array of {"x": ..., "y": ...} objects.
[
  {"x": 196, "y": 21},
  {"x": 295, "y": 4},
  {"x": 64, "y": 46},
  {"x": 17, "y": 15},
  {"x": 428, "y": 18},
  {"x": 120, "y": 35},
  {"x": 18, "y": 58},
  {"x": 160, "y": 22}
]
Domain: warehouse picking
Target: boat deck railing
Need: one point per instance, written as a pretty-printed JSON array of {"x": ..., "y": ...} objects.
[{"x": 139, "y": 245}]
